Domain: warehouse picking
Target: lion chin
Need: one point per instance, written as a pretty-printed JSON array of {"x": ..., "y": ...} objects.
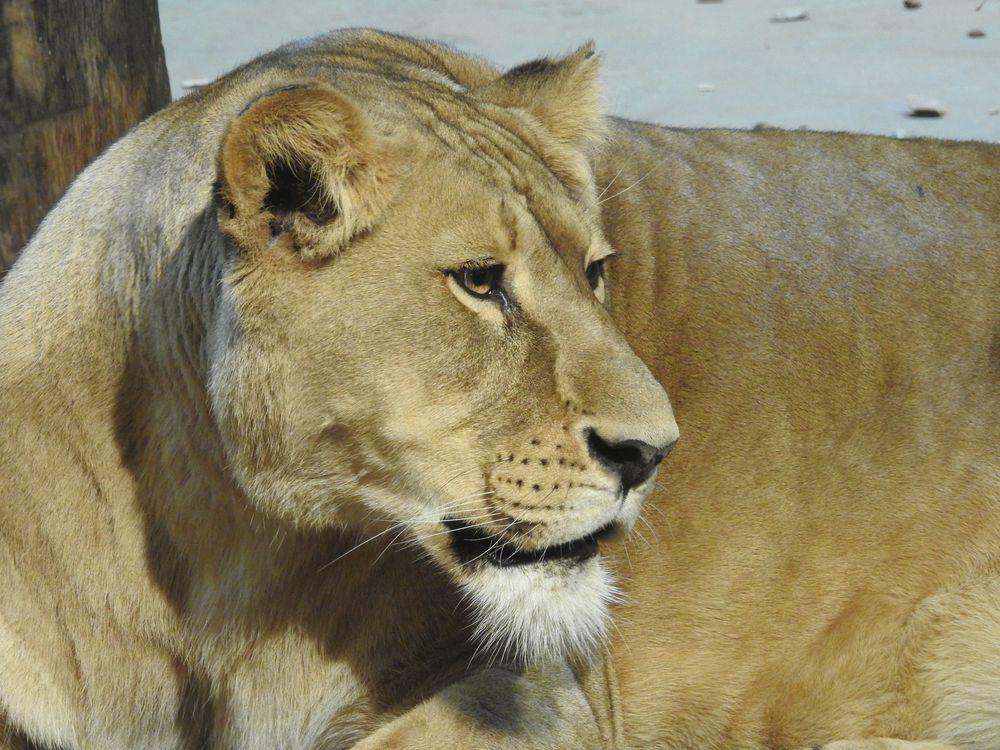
[
  {"x": 541, "y": 611},
  {"x": 543, "y": 601},
  {"x": 532, "y": 606}
]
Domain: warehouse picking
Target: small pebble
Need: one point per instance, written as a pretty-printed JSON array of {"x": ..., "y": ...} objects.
[
  {"x": 924, "y": 106},
  {"x": 912, "y": 4},
  {"x": 976, "y": 34},
  {"x": 706, "y": 88},
  {"x": 995, "y": 111},
  {"x": 791, "y": 14},
  {"x": 195, "y": 83}
]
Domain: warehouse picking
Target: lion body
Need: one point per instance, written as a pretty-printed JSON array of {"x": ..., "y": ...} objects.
[{"x": 821, "y": 308}]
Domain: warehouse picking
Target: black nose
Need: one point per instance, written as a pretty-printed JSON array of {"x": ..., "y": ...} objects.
[{"x": 632, "y": 460}]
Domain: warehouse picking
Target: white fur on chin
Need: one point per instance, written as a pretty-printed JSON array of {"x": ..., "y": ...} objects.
[{"x": 541, "y": 611}]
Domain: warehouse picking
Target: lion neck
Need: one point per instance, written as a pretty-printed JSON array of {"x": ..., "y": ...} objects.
[{"x": 218, "y": 560}]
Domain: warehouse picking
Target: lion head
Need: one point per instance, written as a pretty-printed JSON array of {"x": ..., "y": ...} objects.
[{"x": 413, "y": 331}]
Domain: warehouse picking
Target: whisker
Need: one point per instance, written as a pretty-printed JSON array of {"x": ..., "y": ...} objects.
[
  {"x": 479, "y": 647},
  {"x": 391, "y": 542},
  {"x": 459, "y": 508},
  {"x": 497, "y": 542},
  {"x": 655, "y": 507},
  {"x": 469, "y": 470},
  {"x": 469, "y": 520},
  {"x": 465, "y": 498},
  {"x": 643, "y": 177},
  {"x": 460, "y": 501},
  {"x": 612, "y": 182},
  {"x": 621, "y": 637},
  {"x": 448, "y": 531},
  {"x": 652, "y": 529},
  {"x": 356, "y": 546},
  {"x": 434, "y": 516},
  {"x": 641, "y": 537}
]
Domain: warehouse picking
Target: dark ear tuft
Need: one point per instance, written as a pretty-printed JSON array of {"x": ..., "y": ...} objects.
[
  {"x": 297, "y": 188},
  {"x": 541, "y": 66},
  {"x": 563, "y": 95}
]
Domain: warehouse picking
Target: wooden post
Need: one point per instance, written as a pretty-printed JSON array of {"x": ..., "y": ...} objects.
[{"x": 74, "y": 75}]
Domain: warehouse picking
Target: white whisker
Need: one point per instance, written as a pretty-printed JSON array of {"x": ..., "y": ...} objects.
[
  {"x": 356, "y": 546},
  {"x": 612, "y": 181},
  {"x": 643, "y": 177}
]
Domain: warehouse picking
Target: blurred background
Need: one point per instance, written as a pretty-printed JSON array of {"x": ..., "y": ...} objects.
[{"x": 848, "y": 65}]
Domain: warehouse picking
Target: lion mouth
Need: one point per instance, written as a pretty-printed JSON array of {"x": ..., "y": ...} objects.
[{"x": 473, "y": 545}]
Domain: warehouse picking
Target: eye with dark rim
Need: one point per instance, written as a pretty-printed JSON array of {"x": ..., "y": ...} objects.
[
  {"x": 595, "y": 272},
  {"x": 481, "y": 282}
]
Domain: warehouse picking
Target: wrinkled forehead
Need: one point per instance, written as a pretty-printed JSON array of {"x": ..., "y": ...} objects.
[
  {"x": 515, "y": 191},
  {"x": 505, "y": 217}
]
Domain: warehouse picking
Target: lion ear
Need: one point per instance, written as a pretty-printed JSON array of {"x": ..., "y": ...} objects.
[
  {"x": 564, "y": 95},
  {"x": 299, "y": 168}
]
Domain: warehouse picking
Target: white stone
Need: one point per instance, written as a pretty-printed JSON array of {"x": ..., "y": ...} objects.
[{"x": 790, "y": 14}]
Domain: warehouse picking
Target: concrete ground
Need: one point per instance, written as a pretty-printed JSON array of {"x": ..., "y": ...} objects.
[{"x": 849, "y": 66}]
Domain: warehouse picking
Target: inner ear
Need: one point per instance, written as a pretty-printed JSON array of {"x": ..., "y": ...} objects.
[
  {"x": 301, "y": 170},
  {"x": 297, "y": 188}
]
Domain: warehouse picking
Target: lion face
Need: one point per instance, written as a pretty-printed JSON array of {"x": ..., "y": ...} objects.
[{"x": 413, "y": 341}]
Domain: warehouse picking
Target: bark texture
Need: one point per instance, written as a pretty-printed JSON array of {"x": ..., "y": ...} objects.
[{"x": 74, "y": 76}]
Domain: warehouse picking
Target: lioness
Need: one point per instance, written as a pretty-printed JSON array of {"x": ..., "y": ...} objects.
[{"x": 317, "y": 415}]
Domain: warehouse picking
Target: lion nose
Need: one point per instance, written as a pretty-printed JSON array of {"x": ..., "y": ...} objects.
[{"x": 632, "y": 460}]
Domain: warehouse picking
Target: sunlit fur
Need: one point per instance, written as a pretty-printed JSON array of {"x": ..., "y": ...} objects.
[
  {"x": 242, "y": 394},
  {"x": 225, "y": 462},
  {"x": 535, "y": 612},
  {"x": 822, "y": 565}
]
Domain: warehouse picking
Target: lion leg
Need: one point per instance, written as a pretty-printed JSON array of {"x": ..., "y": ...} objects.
[
  {"x": 958, "y": 663},
  {"x": 498, "y": 710},
  {"x": 953, "y": 695}
]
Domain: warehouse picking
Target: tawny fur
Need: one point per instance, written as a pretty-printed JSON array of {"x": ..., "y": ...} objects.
[
  {"x": 241, "y": 392},
  {"x": 823, "y": 553},
  {"x": 223, "y": 402}
]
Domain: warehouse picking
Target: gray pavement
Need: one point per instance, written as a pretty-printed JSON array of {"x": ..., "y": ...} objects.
[{"x": 849, "y": 66}]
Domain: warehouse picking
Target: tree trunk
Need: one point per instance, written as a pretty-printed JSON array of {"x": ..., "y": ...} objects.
[{"x": 74, "y": 75}]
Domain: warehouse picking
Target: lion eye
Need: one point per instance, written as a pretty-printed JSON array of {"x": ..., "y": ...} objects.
[
  {"x": 595, "y": 272},
  {"x": 480, "y": 281},
  {"x": 595, "y": 277}
]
